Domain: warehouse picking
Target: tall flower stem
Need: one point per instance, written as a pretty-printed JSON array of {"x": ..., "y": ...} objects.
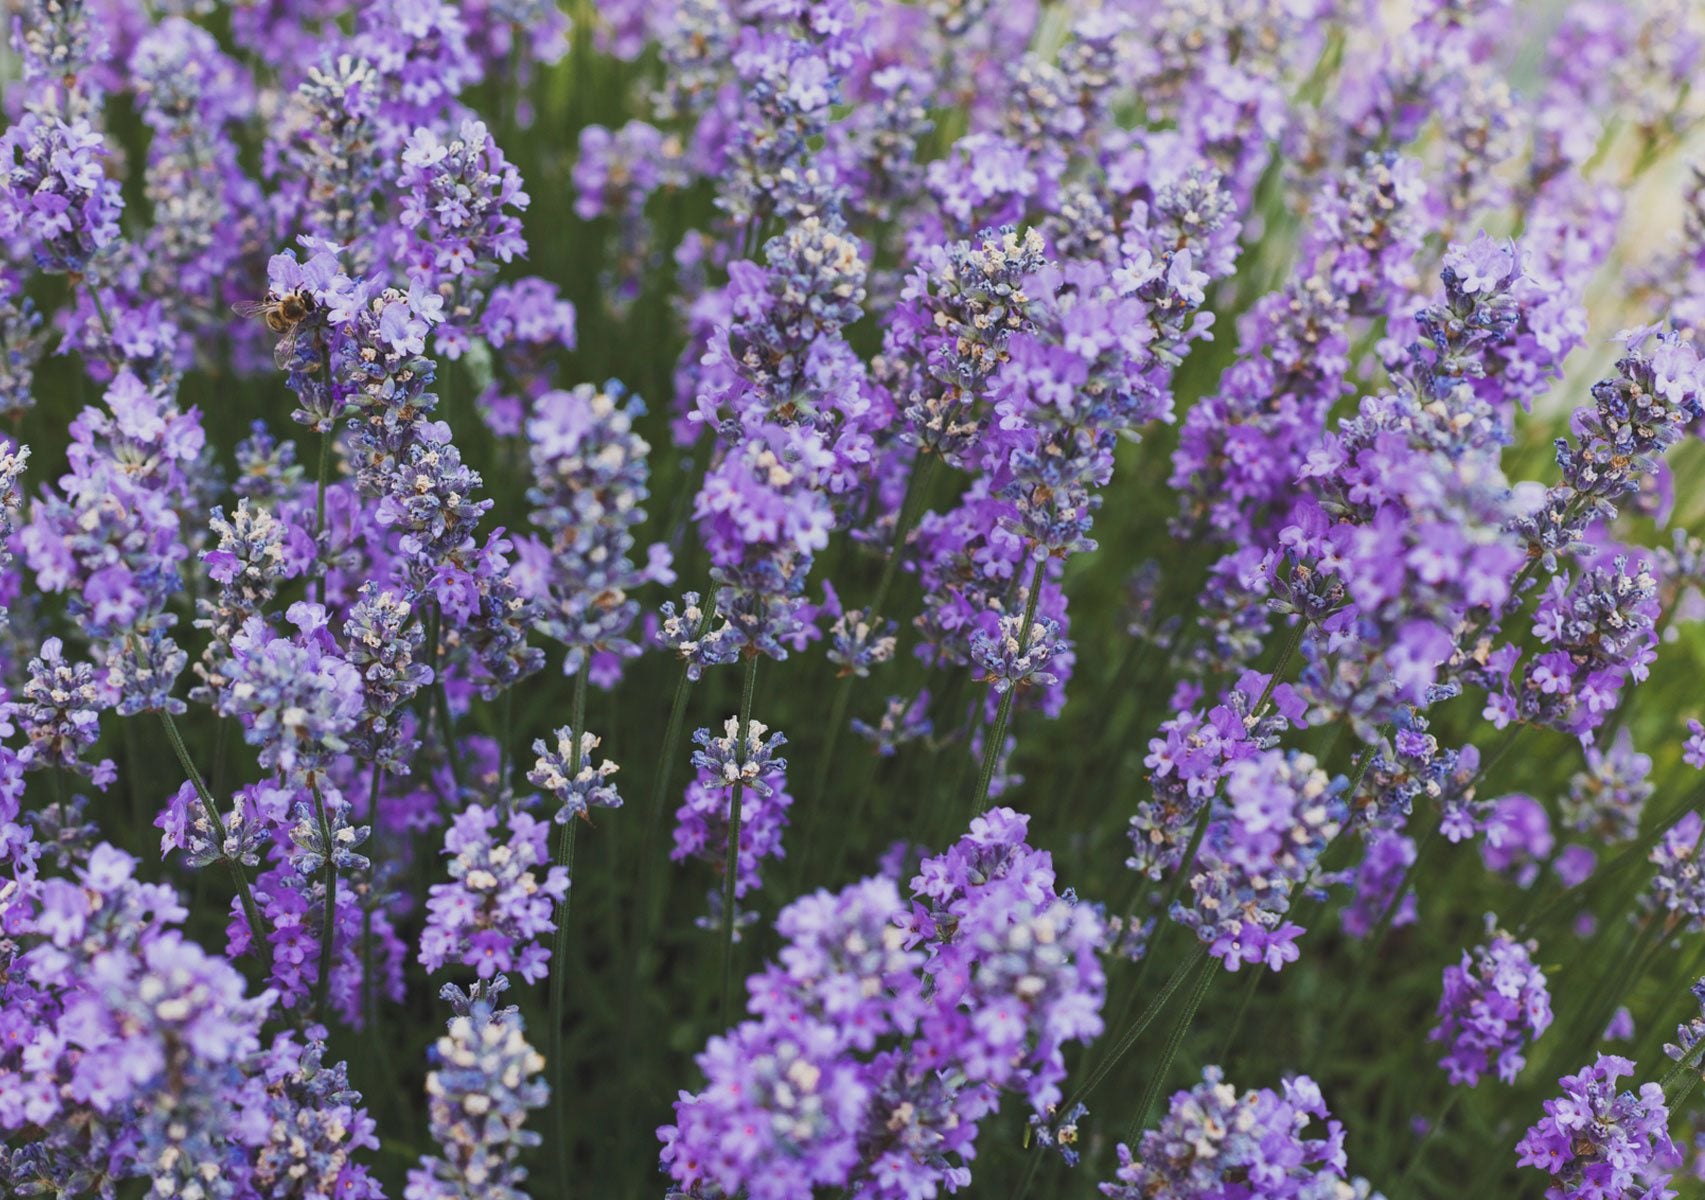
[
  {"x": 665, "y": 770},
  {"x": 239, "y": 878},
  {"x": 369, "y": 989},
  {"x": 559, "y": 953},
  {"x": 731, "y": 864},
  {"x": 328, "y": 916},
  {"x": 1248, "y": 998},
  {"x": 1401, "y": 1189},
  {"x": 1157, "y": 1080},
  {"x": 320, "y": 483},
  {"x": 910, "y": 505},
  {"x": 1003, "y": 714},
  {"x": 1136, "y": 1028},
  {"x": 440, "y": 700}
]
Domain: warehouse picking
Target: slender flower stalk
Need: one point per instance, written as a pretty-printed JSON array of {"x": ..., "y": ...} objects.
[
  {"x": 996, "y": 742},
  {"x": 328, "y": 914},
  {"x": 731, "y": 863},
  {"x": 911, "y": 504},
  {"x": 239, "y": 877},
  {"x": 1205, "y": 975},
  {"x": 557, "y": 1065}
]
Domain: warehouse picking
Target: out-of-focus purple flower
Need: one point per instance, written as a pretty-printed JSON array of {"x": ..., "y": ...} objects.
[
  {"x": 1493, "y": 1004},
  {"x": 493, "y": 913},
  {"x": 1262, "y": 846},
  {"x": 1693, "y": 751},
  {"x": 1213, "y": 1142},
  {"x": 486, "y": 1078}
]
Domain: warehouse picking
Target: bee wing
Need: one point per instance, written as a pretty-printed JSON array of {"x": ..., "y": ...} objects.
[
  {"x": 250, "y": 308},
  {"x": 286, "y": 349}
]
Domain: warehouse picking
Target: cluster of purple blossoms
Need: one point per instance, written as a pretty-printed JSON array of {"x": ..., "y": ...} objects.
[
  {"x": 297, "y": 697},
  {"x": 1400, "y": 536},
  {"x": 1605, "y": 801},
  {"x": 383, "y": 643},
  {"x": 1678, "y": 885},
  {"x": 485, "y": 1080},
  {"x": 1494, "y": 1002},
  {"x": 54, "y": 193},
  {"x": 615, "y": 174},
  {"x": 1636, "y": 415},
  {"x": 193, "y": 97},
  {"x": 903, "y": 720},
  {"x": 1016, "y": 657},
  {"x": 494, "y": 911},
  {"x": 951, "y": 257},
  {"x": 694, "y": 635},
  {"x": 1596, "y": 1140},
  {"x": 1214, "y": 1142},
  {"x": 135, "y": 1054},
  {"x": 1386, "y": 862},
  {"x": 590, "y": 485},
  {"x": 573, "y": 779},
  {"x": 248, "y": 827},
  {"x": 880, "y": 1038},
  {"x": 458, "y": 212},
  {"x": 111, "y": 536},
  {"x": 1193, "y": 752},
  {"x": 1412, "y": 765},
  {"x": 1262, "y": 847},
  {"x": 1597, "y": 634},
  {"x": 725, "y": 765},
  {"x": 1241, "y": 449}
]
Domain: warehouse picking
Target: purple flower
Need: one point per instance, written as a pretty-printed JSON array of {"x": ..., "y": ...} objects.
[
  {"x": 591, "y": 481},
  {"x": 1263, "y": 845},
  {"x": 1598, "y": 1142},
  {"x": 701, "y": 822},
  {"x": 1214, "y": 1142},
  {"x": 493, "y": 914},
  {"x": 1694, "y": 750},
  {"x": 569, "y": 774},
  {"x": 485, "y": 1079},
  {"x": 55, "y": 197},
  {"x": 1494, "y": 1002}
]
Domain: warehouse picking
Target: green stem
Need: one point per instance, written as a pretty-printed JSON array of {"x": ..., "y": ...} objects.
[
  {"x": 1135, "y": 1030},
  {"x": 320, "y": 484},
  {"x": 654, "y": 817},
  {"x": 1401, "y": 1189},
  {"x": 731, "y": 863},
  {"x": 997, "y": 733},
  {"x": 1243, "y": 1004},
  {"x": 328, "y": 917},
  {"x": 503, "y": 736},
  {"x": 1278, "y": 672},
  {"x": 441, "y": 702},
  {"x": 916, "y": 490},
  {"x": 376, "y": 846},
  {"x": 251, "y": 911},
  {"x": 559, "y": 955},
  {"x": 1157, "y": 1080}
]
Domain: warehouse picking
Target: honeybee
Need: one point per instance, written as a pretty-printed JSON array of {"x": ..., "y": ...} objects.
[{"x": 283, "y": 315}]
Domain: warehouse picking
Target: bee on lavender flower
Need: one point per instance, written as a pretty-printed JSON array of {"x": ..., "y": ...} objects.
[{"x": 284, "y": 314}]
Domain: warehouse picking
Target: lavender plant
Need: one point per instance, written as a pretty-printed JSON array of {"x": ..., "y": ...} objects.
[{"x": 1210, "y": 492}]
